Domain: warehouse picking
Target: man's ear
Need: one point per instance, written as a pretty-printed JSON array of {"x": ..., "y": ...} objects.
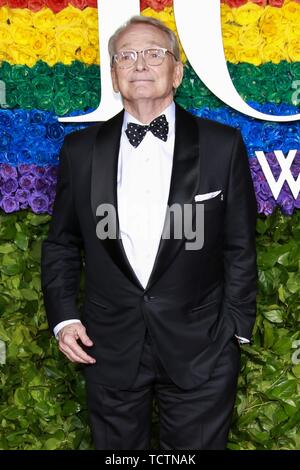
[
  {"x": 178, "y": 74},
  {"x": 114, "y": 79}
]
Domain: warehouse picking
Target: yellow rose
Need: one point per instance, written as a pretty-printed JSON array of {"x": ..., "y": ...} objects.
[
  {"x": 272, "y": 23},
  {"x": 50, "y": 35},
  {"x": 291, "y": 11},
  {"x": 248, "y": 54},
  {"x": 53, "y": 53},
  {"x": 292, "y": 31},
  {"x": 166, "y": 16},
  {"x": 247, "y": 14},
  {"x": 230, "y": 35},
  {"x": 230, "y": 54},
  {"x": 4, "y": 14},
  {"x": 23, "y": 55},
  {"x": 88, "y": 55},
  {"x": 69, "y": 16},
  {"x": 93, "y": 37},
  {"x": 44, "y": 19},
  {"x": 21, "y": 34},
  {"x": 250, "y": 35},
  {"x": 294, "y": 50},
  {"x": 226, "y": 13},
  {"x": 274, "y": 53},
  {"x": 5, "y": 57},
  {"x": 20, "y": 17},
  {"x": 5, "y": 36},
  {"x": 67, "y": 54},
  {"x": 39, "y": 43},
  {"x": 76, "y": 37},
  {"x": 90, "y": 17}
]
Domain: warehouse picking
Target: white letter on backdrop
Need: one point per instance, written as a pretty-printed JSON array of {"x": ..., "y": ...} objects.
[
  {"x": 200, "y": 31},
  {"x": 112, "y": 14}
]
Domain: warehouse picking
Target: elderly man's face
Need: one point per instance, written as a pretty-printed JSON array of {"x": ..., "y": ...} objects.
[{"x": 142, "y": 82}]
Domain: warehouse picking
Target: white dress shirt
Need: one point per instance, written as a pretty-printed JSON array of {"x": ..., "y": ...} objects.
[{"x": 143, "y": 183}]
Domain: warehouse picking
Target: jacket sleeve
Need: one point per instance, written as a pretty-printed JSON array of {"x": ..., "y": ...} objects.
[
  {"x": 61, "y": 251},
  {"x": 240, "y": 269}
]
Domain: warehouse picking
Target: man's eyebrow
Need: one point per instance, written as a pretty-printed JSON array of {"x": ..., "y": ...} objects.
[{"x": 151, "y": 43}]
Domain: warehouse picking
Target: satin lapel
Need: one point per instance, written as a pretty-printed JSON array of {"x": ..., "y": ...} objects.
[
  {"x": 104, "y": 188},
  {"x": 184, "y": 184}
]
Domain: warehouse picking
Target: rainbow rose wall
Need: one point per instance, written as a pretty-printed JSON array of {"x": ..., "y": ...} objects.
[{"x": 50, "y": 68}]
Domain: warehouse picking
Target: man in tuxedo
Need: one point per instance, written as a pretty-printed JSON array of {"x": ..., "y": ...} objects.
[{"x": 160, "y": 318}]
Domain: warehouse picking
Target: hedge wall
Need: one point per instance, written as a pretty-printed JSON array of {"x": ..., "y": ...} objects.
[{"x": 42, "y": 402}]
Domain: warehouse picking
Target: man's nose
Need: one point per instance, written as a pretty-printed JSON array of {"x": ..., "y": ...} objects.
[{"x": 140, "y": 62}]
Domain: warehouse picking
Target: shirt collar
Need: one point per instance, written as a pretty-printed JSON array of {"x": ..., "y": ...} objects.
[{"x": 169, "y": 113}]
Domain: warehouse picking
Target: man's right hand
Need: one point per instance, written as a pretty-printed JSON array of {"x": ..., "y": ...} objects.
[{"x": 68, "y": 337}]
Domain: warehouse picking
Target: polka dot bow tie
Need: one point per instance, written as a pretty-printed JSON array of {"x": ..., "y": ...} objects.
[{"x": 136, "y": 132}]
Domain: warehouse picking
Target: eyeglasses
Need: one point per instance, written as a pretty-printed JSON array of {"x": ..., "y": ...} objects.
[{"x": 151, "y": 56}]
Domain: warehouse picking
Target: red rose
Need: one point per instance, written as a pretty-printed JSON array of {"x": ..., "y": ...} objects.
[
  {"x": 17, "y": 3},
  {"x": 143, "y": 4},
  {"x": 260, "y": 3},
  {"x": 2, "y": 3},
  {"x": 157, "y": 5},
  {"x": 36, "y": 5},
  {"x": 236, "y": 3},
  {"x": 80, "y": 4},
  {"x": 276, "y": 3},
  {"x": 56, "y": 5},
  {"x": 91, "y": 3}
]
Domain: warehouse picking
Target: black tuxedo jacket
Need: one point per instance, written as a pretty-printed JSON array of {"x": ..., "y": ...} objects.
[{"x": 195, "y": 300}]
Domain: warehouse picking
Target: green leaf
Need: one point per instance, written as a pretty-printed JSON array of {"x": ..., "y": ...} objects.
[
  {"x": 21, "y": 241},
  {"x": 296, "y": 371},
  {"x": 283, "y": 391},
  {"x": 293, "y": 283},
  {"x": 274, "y": 316},
  {"x": 52, "y": 443},
  {"x": 6, "y": 248},
  {"x": 29, "y": 294}
]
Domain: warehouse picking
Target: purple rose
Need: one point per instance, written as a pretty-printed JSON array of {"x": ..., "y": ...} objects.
[
  {"x": 7, "y": 171},
  {"x": 38, "y": 170},
  {"x": 286, "y": 201},
  {"x": 51, "y": 173},
  {"x": 9, "y": 204},
  {"x": 9, "y": 186},
  {"x": 38, "y": 202},
  {"x": 40, "y": 184},
  {"x": 266, "y": 207},
  {"x": 254, "y": 165},
  {"x": 22, "y": 196},
  {"x": 25, "y": 168},
  {"x": 264, "y": 191},
  {"x": 26, "y": 181}
]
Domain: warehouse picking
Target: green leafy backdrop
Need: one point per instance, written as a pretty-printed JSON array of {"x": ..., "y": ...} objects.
[{"x": 42, "y": 402}]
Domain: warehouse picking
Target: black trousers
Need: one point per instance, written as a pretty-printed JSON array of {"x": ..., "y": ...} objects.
[{"x": 195, "y": 419}]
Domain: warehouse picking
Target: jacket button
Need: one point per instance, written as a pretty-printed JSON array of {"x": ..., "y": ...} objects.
[{"x": 148, "y": 298}]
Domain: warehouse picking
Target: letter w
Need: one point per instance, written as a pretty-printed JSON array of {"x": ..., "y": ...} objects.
[{"x": 286, "y": 174}]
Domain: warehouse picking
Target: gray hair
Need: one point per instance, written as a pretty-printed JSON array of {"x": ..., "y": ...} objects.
[{"x": 139, "y": 19}]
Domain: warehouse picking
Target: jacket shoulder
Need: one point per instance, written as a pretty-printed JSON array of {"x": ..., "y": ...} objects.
[{"x": 83, "y": 136}]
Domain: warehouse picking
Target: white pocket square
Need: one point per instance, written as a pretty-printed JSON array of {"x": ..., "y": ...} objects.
[{"x": 205, "y": 196}]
